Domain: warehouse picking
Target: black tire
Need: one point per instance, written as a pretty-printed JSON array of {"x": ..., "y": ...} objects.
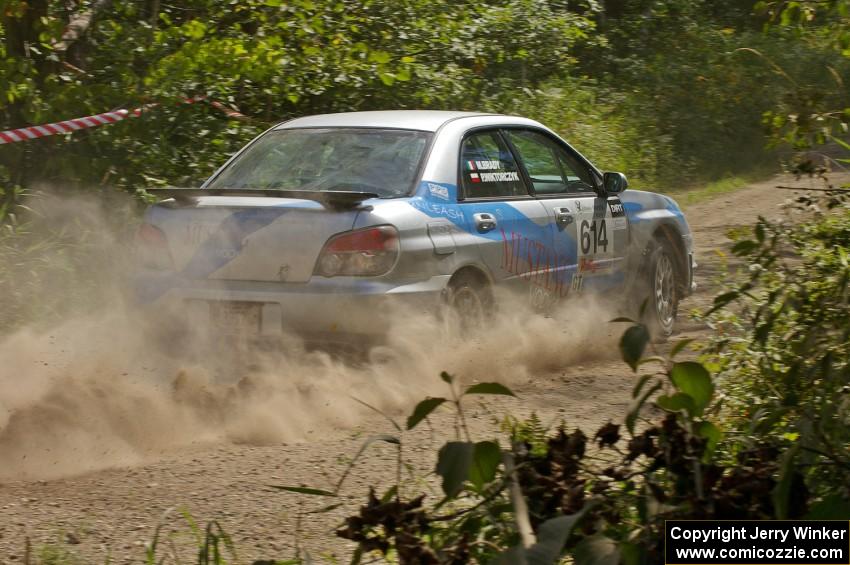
[
  {"x": 469, "y": 301},
  {"x": 661, "y": 291}
]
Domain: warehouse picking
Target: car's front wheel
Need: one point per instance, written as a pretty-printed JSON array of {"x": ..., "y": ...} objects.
[{"x": 662, "y": 292}]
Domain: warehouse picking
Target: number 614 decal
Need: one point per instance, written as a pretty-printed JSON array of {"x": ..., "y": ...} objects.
[{"x": 594, "y": 237}]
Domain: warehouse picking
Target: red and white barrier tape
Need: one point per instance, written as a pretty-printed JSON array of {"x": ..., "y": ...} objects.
[
  {"x": 66, "y": 126},
  {"x": 69, "y": 126},
  {"x": 229, "y": 112}
]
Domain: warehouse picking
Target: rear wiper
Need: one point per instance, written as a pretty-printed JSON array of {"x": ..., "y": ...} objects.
[{"x": 339, "y": 199}]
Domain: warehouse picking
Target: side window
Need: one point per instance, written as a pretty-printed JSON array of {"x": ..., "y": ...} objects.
[
  {"x": 488, "y": 167},
  {"x": 552, "y": 170}
]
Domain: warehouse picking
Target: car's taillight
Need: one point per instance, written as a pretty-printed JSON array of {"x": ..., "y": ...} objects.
[
  {"x": 152, "y": 248},
  {"x": 360, "y": 253}
]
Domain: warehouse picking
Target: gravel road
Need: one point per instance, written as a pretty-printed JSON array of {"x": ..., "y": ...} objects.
[{"x": 89, "y": 514}]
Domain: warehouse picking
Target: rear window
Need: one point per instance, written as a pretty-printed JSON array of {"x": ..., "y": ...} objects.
[{"x": 383, "y": 161}]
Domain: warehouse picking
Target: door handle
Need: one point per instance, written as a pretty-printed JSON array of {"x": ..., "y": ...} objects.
[
  {"x": 563, "y": 217},
  {"x": 484, "y": 222}
]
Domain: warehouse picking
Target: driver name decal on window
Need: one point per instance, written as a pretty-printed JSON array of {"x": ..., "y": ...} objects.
[{"x": 500, "y": 176}]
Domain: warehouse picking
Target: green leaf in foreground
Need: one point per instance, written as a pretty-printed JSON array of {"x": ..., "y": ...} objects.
[
  {"x": 422, "y": 410},
  {"x": 679, "y": 346},
  {"x": 453, "y": 463},
  {"x": 325, "y": 509},
  {"x": 677, "y": 402},
  {"x": 597, "y": 550},
  {"x": 722, "y": 300},
  {"x": 303, "y": 490},
  {"x": 833, "y": 507},
  {"x": 637, "y": 404},
  {"x": 633, "y": 343},
  {"x": 486, "y": 457},
  {"x": 744, "y": 247},
  {"x": 490, "y": 388},
  {"x": 782, "y": 491},
  {"x": 369, "y": 441},
  {"x": 630, "y": 554},
  {"x": 694, "y": 380},
  {"x": 712, "y": 434},
  {"x": 639, "y": 385},
  {"x": 551, "y": 537}
]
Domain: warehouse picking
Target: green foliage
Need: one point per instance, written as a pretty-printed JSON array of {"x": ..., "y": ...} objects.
[
  {"x": 486, "y": 457},
  {"x": 608, "y": 126},
  {"x": 529, "y": 431},
  {"x": 56, "y": 555},
  {"x": 551, "y": 538},
  {"x": 520, "y": 504},
  {"x": 422, "y": 410},
  {"x": 453, "y": 464},
  {"x": 633, "y": 343},
  {"x": 812, "y": 113},
  {"x": 215, "y": 546},
  {"x": 694, "y": 382},
  {"x": 786, "y": 365}
]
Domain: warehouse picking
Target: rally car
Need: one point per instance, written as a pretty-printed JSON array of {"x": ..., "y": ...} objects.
[{"x": 322, "y": 223}]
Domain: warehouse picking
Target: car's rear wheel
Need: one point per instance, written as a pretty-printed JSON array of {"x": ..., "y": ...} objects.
[
  {"x": 662, "y": 292},
  {"x": 469, "y": 301}
]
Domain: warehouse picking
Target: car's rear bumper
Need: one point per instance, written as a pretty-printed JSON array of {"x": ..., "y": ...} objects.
[{"x": 324, "y": 307}]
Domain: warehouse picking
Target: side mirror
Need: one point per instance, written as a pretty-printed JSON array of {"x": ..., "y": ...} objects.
[{"x": 614, "y": 183}]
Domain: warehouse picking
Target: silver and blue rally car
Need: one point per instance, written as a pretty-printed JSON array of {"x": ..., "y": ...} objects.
[{"x": 321, "y": 222}]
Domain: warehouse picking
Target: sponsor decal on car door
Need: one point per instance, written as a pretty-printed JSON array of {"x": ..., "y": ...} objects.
[{"x": 601, "y": 240}]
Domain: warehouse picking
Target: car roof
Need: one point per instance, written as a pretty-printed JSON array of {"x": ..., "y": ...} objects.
[{"x": 423, "y": 120}]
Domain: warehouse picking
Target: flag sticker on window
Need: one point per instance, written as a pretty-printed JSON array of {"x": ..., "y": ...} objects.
[
  {"x": 470, "y": 165},
  {"x": 474, "y": 177}
]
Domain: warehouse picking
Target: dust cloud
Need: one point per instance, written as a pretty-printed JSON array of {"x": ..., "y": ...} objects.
[{"x": 104, "y": 389}]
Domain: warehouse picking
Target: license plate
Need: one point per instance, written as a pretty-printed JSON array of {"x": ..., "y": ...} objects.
[{"x": 236, "y": 318}]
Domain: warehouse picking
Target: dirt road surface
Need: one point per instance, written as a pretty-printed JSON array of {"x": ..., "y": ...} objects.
[{"x": 112, "y": 513}]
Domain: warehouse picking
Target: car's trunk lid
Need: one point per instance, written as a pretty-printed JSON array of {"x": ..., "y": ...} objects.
[{"x": 248, "y": 238}]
